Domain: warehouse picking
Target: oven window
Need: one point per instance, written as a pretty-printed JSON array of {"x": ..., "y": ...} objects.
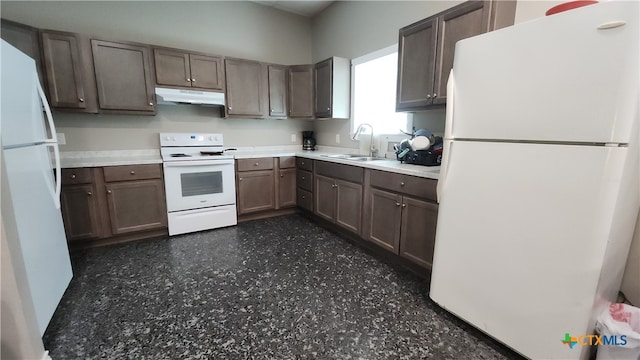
[{"x": 201, "y": 183}]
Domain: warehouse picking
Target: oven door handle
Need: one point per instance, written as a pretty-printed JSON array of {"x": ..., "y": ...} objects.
[{"x": 197, "y": 163}]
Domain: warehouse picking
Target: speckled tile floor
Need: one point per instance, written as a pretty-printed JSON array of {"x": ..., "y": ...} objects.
[{"x": 280, "y": 288}]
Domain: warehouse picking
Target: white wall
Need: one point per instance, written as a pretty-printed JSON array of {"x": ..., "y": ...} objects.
[{"x": 230, "y": 28}]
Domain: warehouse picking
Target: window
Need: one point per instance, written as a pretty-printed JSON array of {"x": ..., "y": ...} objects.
[{"x": 374, "y": 93}]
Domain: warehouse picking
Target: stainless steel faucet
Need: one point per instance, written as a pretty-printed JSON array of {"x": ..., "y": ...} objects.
[{"x": 356, "y": 136}]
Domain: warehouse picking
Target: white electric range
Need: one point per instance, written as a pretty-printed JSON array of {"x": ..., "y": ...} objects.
[{"x": 199, "y": 182}]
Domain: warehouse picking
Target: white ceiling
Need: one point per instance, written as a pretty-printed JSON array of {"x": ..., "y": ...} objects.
[{"x": 308, "y": 8}]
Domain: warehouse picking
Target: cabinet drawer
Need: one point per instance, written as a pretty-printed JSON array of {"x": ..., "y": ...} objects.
[
  {"x": 304, "y": 180},
  {"x": 287, "y": 162},
  {"x": 340, "y": 171},
  {"x": 411, "y": 185},
  {"x": 304, "y": 164},
  {"x": 255, "y": 164},
  {"x": 304, "y": 199},
  {"x": 132, "y": 172},
  {"x": 76, "y": 176}
]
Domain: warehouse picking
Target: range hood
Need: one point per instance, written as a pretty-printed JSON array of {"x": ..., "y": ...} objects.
[{"x": 181, "y": 96}]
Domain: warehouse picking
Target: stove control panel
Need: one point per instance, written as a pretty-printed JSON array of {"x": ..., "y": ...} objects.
[{"x": 190, "y": 139}]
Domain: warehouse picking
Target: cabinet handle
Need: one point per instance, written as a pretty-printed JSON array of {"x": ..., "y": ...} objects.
[
  {"x": 303, "y": 178},
  {"x": 189, "y": 80},
  {"x": 281, "y": 175},
  {"x": 150, "y": 103},
  {"x": 229, "y": 107},
  {"x": 239, "y": 179},
  {"x": 73, "y": 176},
  {"x": 108, "y": 191},
  {"x": 429, "y": 96},
  {"x": 404, "y": 205},
  {"x": 435, "y": 95},
  {"x": 302, "y": 163},
  {"x": 397, "y": 204},
  {"x": 401, "y": 183},
  {"x": 193, "y": 80},
  {"x": 132, "y": 172},
  {"x": 334, "y": 186},
  {"x": 257, "y": 164},
  {"x": 303, "y": 197},
  {"x": 81, "y": 100},
  {"x": 89, "y": 193}
]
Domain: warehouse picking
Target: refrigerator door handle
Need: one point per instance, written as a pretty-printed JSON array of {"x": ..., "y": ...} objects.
[
  {"x": 448, "y": 125},
  {"x": 47, "y": 110},
  {"x": 53, "y": 142},
  {"x": 447, "y": 144}
]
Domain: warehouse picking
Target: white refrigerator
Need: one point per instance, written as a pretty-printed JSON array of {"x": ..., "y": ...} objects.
[
  {"x": 539, "y": 185},
  {"x": 30, "y": 192}
]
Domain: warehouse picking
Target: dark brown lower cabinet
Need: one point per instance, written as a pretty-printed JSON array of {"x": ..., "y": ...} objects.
[
  {"x": 385, "y": 219},
  {"x": 255, "y": 191},
  {"x": 418, "y": 231},
  {"x": 400, "y": 215},
  {"x": 114, "y": 203},
  {"x": 136, "y": 205},
  {"x": 286, "y": 188},
  {"x": 80, "y": 212},
  {"x": 339, "y": 201}
]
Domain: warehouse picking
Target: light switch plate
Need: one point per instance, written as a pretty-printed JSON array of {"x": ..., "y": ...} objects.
[
  {"x": 337, "y": 138},
  {"x": 293, "y": 138},
  {"x": 61, "y": 138}
]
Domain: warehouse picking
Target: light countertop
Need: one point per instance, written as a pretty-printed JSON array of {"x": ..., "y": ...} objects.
[{"x": 72, "y": 159}]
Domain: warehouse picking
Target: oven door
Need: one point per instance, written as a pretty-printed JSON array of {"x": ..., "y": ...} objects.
[{"x": 199, "y": 184}]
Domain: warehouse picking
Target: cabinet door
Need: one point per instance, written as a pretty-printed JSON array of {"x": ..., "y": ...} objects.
[
  {"x": 349, "y": 205},
  {"x": 64, "y": 69},
  {"x": 301, "y": 91},
  {"x": 277, "y": 76},
  {"x": 286, "y": 188},
  {"x": 384, "y": 219},
  {"x": 416, "y": 64},
  {"x": 418, "y": 231},
  {"x": 25, "y": 39},
  {"x": 123, "y": 76},
  {"x": 244, "y": 87},
  {"x": 325, "y": 198},
  {"x": 172, "y": 67},
  {"x": 136, "y": 205},
  {"x": 206, "y": 72},
  {"x": 324, "y": 88},
  {"x": 256, "y": 191},
  {"x": 466, "y": 20},
  {"x": 79, "y": 206}
]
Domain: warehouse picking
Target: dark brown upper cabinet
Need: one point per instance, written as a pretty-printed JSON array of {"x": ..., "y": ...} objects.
[
  {"x": 24, "y": 38},
  {"x": 245, "y": 92},
  {"x": 69, "y": 70},
  {"x": 277, "y": 79},
  {"x": 191, "y": 70},
  {"x": 332, "y": 79},
  {"x": 301, "y": 91},
  {"x": 426, "y": 49},
  {"x": 123, "y": 77}
]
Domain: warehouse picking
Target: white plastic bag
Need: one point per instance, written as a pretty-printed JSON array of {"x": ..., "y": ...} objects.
[{"x": 619, "y": 326}]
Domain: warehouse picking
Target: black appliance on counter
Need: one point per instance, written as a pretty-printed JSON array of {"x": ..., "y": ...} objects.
[
  {"x": 431, "y": 156},
  {"x": 308, "y": 141}
]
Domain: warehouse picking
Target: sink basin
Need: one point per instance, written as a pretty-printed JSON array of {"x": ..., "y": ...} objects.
[
  {"x": 352, "y": 157},
  {"x": 364, "y": 158}
]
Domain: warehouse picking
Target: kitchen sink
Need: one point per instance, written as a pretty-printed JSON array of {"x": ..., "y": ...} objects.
[
  {"x": 352, "y": 157},
  {"x": 365, "y": 158}
]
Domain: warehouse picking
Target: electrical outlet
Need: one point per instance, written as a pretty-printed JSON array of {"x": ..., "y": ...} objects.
[
  {"x": 61, "y": 139},
  {"x": 293, "y": 138},
  {"x": 337, "y": 138}
]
